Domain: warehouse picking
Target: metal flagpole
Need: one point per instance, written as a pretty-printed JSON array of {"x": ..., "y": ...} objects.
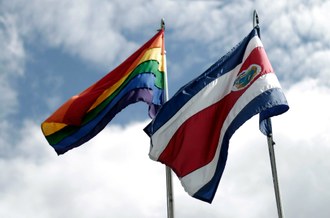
[
  {"x": 169, "y": 188},
  {"x": 271, "y": 144}
]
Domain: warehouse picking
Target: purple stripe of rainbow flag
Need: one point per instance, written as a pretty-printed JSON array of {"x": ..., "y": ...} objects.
[{"x": 138, "y": 78}]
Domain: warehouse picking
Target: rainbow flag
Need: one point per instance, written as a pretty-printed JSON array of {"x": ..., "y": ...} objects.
[{"x": 139, "y": 78}]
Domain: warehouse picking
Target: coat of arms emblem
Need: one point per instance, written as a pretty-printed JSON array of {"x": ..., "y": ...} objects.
[{"x": 245, "y": 77}]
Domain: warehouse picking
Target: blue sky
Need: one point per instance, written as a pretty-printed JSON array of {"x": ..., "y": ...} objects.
[{"x": 51, "y": 50}]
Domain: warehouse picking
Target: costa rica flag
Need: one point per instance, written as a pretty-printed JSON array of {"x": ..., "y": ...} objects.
[{"x": 191, "y": 131}]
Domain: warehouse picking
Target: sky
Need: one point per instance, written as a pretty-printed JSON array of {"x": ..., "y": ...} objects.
[{"x": 51, "y": 50}]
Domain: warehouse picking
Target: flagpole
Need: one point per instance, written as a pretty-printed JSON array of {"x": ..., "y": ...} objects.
[
  {"x": 169, "y": 187},
  {"x": 271, "y": 144}
]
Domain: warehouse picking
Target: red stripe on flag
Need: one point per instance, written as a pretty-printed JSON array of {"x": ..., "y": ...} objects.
[
  {"x": 258, "y": 56},
  {"x": 195, "y": 142}
]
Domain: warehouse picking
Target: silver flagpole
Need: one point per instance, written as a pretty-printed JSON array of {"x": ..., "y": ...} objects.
[
  {"x": 169, "y": 188},
  {"x": 271, "y": 144}
]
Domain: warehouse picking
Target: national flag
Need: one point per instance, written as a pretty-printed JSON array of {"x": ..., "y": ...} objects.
[
  {"x": 191, "y": 131},
  {"x": 139, "y": 78}
]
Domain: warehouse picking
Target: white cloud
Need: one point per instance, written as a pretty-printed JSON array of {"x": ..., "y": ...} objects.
[
  {"x": 304, "y": 139},
  {"x": 107, "y": 32},
  {"x": 85, "y": 28},
  {"x": 8, "y": 98},
  {"x": 296, "y": 38},
  {"x": 12, "y": 54},
  {"x": 12, "y": 60},
  {"x": 112, "y": 175}
]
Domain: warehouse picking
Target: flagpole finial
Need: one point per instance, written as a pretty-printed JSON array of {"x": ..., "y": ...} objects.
[
  {"x": 255, "y": 18},
  {"x": 162, "y": 24}
]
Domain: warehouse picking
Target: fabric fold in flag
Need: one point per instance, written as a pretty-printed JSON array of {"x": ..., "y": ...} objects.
[
  {"x": 191, "y": 131},
  {"x": 138, "y": 78}
]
